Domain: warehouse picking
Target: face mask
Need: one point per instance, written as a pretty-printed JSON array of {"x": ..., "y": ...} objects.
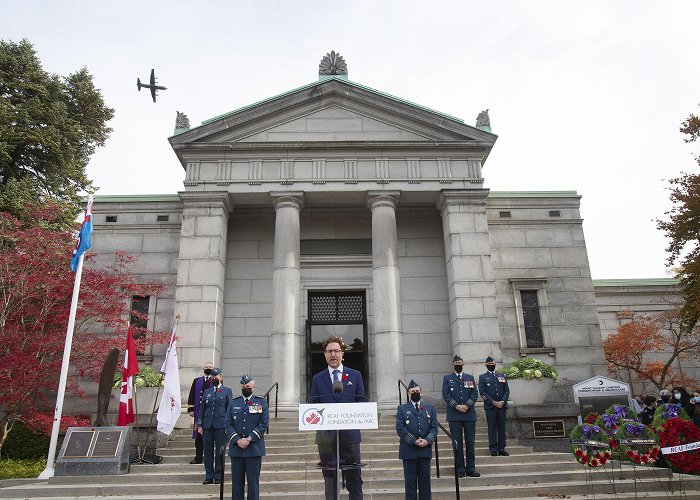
[
  {"x": 665, "y": 399},
  {"x": 246, "y": 391},
  {"x": 415, "y": 397},
  {"x": 207, "y": 371},
  {"x": 676, "y": 395},
  {"x": 215, "y": 382},
  {"x": 491, "y": 368},
  {"x": 458, "y": 368}
]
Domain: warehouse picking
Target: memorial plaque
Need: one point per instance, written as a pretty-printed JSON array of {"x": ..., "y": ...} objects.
[
  {"x": 106, "y": 444},
  {"x": 78, "y": 444},
  {"x": 548, "y": 428}
]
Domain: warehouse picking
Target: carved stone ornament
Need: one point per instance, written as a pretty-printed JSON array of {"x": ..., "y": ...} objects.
[
  {"x": 332, "y": 64},
  {"x": 182, "y": 121},
  {"x": 483, "y": 120}
]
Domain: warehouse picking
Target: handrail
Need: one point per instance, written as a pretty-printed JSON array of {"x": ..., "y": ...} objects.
[
  {"x": 276, "y": 387},
  {"x": 400, "y": 383}
]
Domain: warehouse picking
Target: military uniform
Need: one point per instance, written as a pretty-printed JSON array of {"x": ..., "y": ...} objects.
[
  {"x": 461, "y": 389},
  {"x": 212, "y": 420},
  {"x": 411, "y": 424},
  {"x": 493, "y": 386},
  {"x": 247, "y": 418}
]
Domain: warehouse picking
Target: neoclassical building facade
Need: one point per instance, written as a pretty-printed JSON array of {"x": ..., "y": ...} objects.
[{"x": 337, "y": 209}]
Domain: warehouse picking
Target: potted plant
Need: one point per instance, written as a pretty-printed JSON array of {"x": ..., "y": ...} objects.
[
  {"x": 529, "y": 380},
  {"x": 147, "y": 383}
]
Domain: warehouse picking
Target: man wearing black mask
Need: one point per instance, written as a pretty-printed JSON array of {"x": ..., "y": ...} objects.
[
  {"x": 194, "y": 401},
  {"x": 460, "y": 393},
  {"x": 493, "y": 388}
]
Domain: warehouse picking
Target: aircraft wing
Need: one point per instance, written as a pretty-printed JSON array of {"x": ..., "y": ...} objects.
[{"x": 153, "y": 93}]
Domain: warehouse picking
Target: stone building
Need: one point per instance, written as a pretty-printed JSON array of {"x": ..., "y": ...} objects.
[{"x": 335, "y": 208}]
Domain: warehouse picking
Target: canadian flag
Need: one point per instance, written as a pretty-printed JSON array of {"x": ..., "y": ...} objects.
[
  {"x": 170, "y": 403},
  {"x": 131, "y": 368}
]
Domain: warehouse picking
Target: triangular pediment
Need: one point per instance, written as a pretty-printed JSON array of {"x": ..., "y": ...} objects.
[{"x": 332, "y": 111}]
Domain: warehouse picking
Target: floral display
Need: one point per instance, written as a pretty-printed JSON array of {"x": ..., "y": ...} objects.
[
  {"x": 666, "y": 412},
  {"x": 529, "y": 369},
  {"x": 677, "y": 431}
]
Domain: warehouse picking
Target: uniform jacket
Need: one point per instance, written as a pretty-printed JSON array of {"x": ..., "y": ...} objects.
[
  {"x": 460, "y": 390},
  {"x": 215, "y": 401},
  {"x": 493, "y": 386},
  {"x": 247, "y": 419},
  {"x": 411, "y": 425},
  {"x": 353, "y": 392}
]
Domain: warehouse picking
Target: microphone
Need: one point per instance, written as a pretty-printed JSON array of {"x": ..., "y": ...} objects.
[{"x": 337, "y": 387}]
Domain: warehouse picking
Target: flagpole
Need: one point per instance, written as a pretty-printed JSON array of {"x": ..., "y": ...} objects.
[{"x": 216, "y": 314}]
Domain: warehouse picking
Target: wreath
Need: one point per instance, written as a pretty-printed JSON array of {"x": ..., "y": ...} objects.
[
  {"x": 590, "y": 445},
  {"x": 636, "y": 442},
  {"x": 674, "y": 432},
  {"x": 667, "y": 411}
]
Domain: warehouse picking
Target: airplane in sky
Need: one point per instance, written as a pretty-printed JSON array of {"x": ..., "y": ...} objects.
[{"x": 152, "y": 85}]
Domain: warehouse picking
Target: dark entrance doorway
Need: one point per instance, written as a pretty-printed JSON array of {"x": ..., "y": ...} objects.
[{"x": 341, "y": 314}]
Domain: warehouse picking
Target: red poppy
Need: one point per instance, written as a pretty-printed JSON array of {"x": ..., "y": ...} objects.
[
  {"x": 579, "y": 452},
  {"x": 345, "y": 376}
]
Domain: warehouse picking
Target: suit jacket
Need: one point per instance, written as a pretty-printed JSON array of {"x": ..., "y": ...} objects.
[
  {"x": 493, "y": 386},
  {"x": 411, "y": 425},
  {"x": 247, "y": 420},
  {"x": 353, "y": 392},
  {"x": 460, "y": 390},
  {"x": 215, "y": 402}
]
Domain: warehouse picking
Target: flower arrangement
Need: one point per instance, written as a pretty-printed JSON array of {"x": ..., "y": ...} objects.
[
  {"x": 146, "y": 377},
  {"x": 676, "y": 431},
  {"x": 590, "y": 434},
  {"x": 667, "y": 411},
  {"x": 529, "y": 369}
]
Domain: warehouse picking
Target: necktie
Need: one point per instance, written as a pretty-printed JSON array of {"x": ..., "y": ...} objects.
[
  {"x": 417, "y": 410},
  {"x": 335, "y": 375}
]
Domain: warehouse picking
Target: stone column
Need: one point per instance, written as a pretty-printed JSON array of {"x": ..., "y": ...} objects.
[
  {"x": 286, "y": 339},
  {"x": 387, "y": 332},
  {"x": 199, "y": 296},
  {"x": 470, "y": 281}
]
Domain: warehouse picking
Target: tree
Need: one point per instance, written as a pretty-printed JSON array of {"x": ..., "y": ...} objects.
[
  {"x": 683, "y": 229},
  {"x": 648, "y": 345},
  {"x": 49, "y": 127},
  {"x": 35, "y": 294}
]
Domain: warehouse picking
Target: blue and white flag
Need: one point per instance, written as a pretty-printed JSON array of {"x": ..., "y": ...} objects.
[{"x": 83, "y": 242}]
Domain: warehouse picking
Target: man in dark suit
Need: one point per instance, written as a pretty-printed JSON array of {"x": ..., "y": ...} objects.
[
  {"x": 211, "y": 423},
  {"x": 460, "y": 393},
  {"x": 353, "y": 390},
  {"x": 416, "y": 425},
  {"x": 193, "y": 402},
  {"x": 247, "y": 419},
  {"x": 493, "y": 388}
]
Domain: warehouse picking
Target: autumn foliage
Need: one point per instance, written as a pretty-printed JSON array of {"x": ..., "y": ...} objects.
[
  {"x": 36, "y": 286},
  {"x": 648, "y": 345}
]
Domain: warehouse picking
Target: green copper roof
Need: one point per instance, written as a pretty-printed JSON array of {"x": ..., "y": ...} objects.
[
  {"x": 135, "y": 198},
  {"x": 338, "y": 79},
  {"x": 533, "y": 194},
  {"x": 637, "y": 282}
]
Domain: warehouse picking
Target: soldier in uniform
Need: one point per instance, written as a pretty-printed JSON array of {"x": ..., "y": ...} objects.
[
  {"x": 416, "y": 425},
  {"x": 460, "y": 393},
  {"x": 493, "y": 388},
  {"x": 193, "y": 401},
  {"x": 211, "y": 422},
  {"x": 246, "y": 422}
]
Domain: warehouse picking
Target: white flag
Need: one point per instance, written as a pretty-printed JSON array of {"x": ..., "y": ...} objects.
[{"x": 170, "y": 403}]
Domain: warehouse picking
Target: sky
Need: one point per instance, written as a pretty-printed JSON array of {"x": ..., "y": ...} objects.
[{"x": 585, "y": 96}]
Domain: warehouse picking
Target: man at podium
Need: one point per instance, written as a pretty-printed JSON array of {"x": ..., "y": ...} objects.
[{"x": 338, "y": 384}]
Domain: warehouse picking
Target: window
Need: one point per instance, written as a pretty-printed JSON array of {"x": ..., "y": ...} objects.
[
  {"x": 505, "y": 214},
  {"x": 110, "y": 218},
  {"x": 530, "y": 300},
  {"x": 532, "y": 322},
  {"x": 163, "y": 218},
  {"x": 139, "y": 313}
]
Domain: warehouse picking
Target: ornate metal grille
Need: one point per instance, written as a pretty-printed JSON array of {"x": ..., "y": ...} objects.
[
  {"x": 337, "y": 307},
  {"x": 531, "y": 318}
]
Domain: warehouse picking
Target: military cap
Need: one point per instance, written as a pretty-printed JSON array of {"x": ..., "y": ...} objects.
[
  {"x": 245, "y": 379},
  {"x": 412, "y": 384},
  {"x": 457, "y": 358},
  {"x": 215, "y": 372},
  {"x": 490, "y": 360}
]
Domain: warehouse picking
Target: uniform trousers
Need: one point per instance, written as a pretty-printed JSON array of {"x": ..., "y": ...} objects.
[
  {"x": 416, "y": 477},
  {"x": 496, "y": 421},
  {"x": 464, "y": 433},
  {"x": 245, "y": 469},
  {"x": 349, "y": 454},
  {"x": 213, "y": 440}
]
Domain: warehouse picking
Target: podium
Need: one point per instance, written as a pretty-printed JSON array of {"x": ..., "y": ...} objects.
[{"x": 323, "y": 453}]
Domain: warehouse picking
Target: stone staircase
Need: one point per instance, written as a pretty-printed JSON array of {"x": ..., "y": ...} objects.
[{"x": 289, "y": 471}]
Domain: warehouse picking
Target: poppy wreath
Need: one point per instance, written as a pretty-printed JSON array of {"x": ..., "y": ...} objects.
[
  {"x": 635, "y": 452},
  {"x": 667, "y": 411},
  {"x": 674, "y": 432},
  {"x": 584, "y": 454}
]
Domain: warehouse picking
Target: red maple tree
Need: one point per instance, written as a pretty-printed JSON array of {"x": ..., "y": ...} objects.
[
  {"x": 648, "y": 345},
  {"x": 36, "y": 286}
]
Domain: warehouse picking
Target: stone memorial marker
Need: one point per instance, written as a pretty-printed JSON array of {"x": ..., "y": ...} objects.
[
  {"x": 597, "y": 394},
  {"x": 89, "y": 451}
]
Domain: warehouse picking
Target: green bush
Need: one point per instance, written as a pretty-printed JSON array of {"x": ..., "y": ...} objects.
[
  {"x": 22, "y": 443},
  {"x": 529, "y": 369},
  {"x": 12, "y": 469},
  {"x": 146, "y": 377}
]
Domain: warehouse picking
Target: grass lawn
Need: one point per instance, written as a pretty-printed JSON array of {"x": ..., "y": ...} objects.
[{"x": 16, "y": 468}]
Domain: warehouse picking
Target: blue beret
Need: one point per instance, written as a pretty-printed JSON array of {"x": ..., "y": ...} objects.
[
  {"x": 215, "y": 372},
  {"x": 457, "y": 358},
  {"x": 412, "y": 384},
  {"x": 245, "y": 379},
  {"x": 490, "y": 360}
]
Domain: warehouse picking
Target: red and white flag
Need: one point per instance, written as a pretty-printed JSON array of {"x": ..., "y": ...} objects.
[
  {"x": 131, "y": 368},
  {"x": 170, "y": 403}
]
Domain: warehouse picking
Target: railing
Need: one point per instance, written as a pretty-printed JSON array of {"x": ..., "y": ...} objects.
[
  {"x": 437, "y": 450},
  {"x": 276, "y": 387}
]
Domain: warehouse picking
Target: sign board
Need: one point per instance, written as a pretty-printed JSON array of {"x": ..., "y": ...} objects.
[
  {"x": 94, "y": 451},
  {"x": 597, "y": 394},
  {"x": 338, "y": 416},
  {"x": 548, "y": 428}
]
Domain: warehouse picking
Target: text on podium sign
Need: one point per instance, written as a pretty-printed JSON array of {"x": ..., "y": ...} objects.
[{"x": 338, "y": 416}]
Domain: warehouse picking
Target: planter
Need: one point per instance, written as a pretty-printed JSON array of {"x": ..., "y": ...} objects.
[
  {"x": 145, "y": 398},
  {"x": 533, "y": 392}
]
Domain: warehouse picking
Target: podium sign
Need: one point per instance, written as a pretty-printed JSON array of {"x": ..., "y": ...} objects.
[{"x": 338, "y": 416}]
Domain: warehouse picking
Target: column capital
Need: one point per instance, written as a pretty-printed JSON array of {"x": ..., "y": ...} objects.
[
  {"x": 207, "y": 199},
  {"x": 382, "y": 199},
  {"x": 451, "y": 197},
  {"x": 288, "y": 199}
]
